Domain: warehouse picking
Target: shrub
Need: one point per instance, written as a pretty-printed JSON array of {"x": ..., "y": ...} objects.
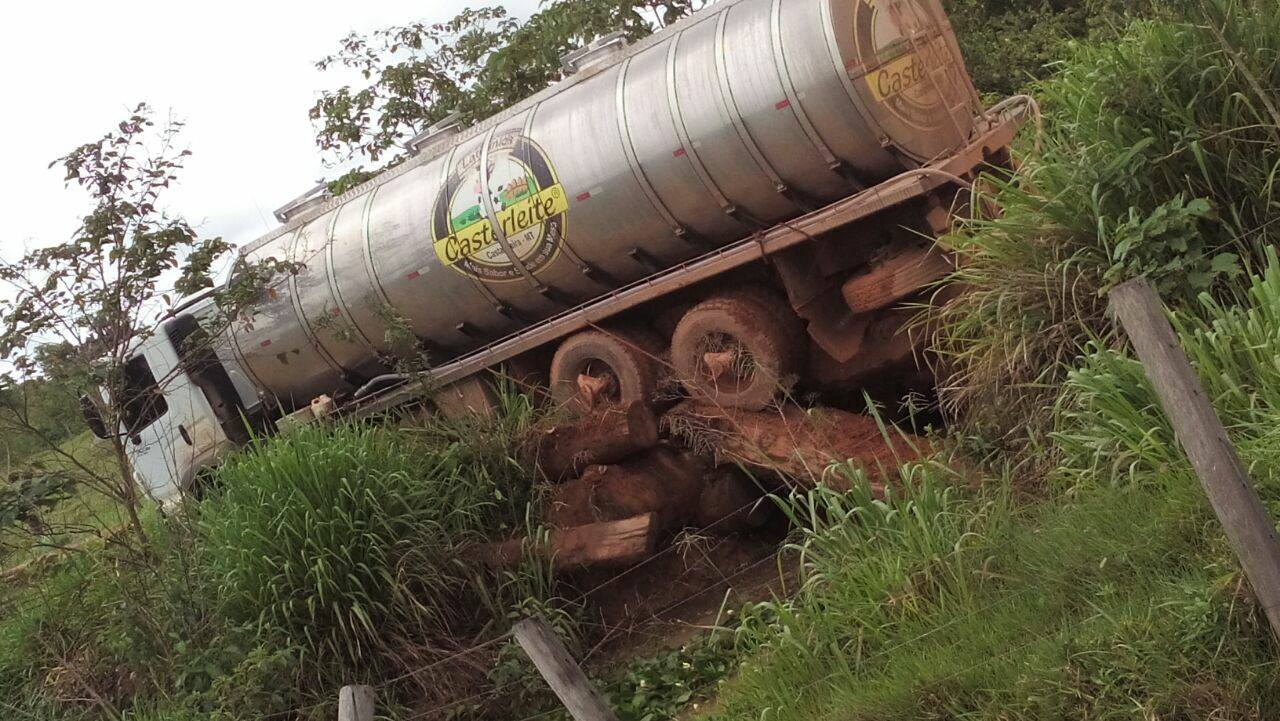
[
  {"x": 1158, "y": 157},
  {"x": 1007, "y": 44}
]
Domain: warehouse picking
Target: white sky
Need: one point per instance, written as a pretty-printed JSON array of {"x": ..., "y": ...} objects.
[{"x": 240, "y": 73}]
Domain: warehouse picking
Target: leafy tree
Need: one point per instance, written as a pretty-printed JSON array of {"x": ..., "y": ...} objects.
[
  {"x": 415, "y": 74},
  {"x": 475, "y": 64},
  {"x": 1009, "y": 43},
  {"x": 50, "y": 408},
  {"x": 77, "y": 310}
]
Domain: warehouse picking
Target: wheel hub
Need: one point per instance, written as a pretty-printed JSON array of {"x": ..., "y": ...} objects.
[
  {"x": 596, "y": 386},
  {"x": 719, "y": 362}
]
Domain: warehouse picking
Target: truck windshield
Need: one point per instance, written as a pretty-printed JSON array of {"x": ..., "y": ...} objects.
[{"x": 143, "y": 403}]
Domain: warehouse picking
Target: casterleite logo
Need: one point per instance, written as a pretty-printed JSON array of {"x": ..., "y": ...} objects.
[
  {"x": 896, "y": 73},
  {"x": 528, "y": 202}
]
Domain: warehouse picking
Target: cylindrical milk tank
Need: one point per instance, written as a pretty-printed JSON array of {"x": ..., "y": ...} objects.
[{"x": 748, "y": 113}]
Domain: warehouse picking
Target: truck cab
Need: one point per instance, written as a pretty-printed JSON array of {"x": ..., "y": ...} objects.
[{"x": 184, "y": 406}]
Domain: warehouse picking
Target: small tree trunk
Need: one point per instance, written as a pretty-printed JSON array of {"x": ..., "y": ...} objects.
[{"x": 128, "y": 489}]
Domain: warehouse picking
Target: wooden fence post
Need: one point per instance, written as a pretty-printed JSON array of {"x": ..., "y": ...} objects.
[
  {"x": 1249, "y": 528},
  {"x": 561, "y": 672},
  {"x": 355, "y": 703}
]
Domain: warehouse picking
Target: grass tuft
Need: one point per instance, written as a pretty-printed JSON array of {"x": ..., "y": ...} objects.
[{"x": 347, "y": 540}]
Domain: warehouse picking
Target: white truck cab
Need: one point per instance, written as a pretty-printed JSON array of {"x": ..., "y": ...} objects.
[{"x": 184, "y": 408}]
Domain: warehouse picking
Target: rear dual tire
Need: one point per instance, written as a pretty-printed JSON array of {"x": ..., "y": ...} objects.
[
  {"x": 602, "y": 368},
  {"x": 739, "y": 349}
]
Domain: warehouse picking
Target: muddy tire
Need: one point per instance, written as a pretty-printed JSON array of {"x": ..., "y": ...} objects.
[
  {"x": 596, "y": 368},
  {"x": 900, "y": 276},
  {"x": 735, "y": 351},
  {"x": 779, "y": 309}
]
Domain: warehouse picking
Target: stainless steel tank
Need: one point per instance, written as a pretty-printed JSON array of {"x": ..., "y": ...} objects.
[{"x": 748, "y": 113}]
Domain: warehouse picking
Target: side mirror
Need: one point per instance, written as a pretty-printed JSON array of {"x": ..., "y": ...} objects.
[{"x": 92, "y": 418}]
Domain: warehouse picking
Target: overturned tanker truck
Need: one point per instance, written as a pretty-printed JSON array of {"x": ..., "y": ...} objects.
[{"x": 746, "y": 197}]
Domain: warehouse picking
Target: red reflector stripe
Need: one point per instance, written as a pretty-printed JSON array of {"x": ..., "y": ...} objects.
[
  {"x": 679, "y": 152},
  {"x": 265, "y": 343},
  {"x": 782, "y": 104},
  {"x": 584, "y": 196},
  {"x": 414, "y": 275}
]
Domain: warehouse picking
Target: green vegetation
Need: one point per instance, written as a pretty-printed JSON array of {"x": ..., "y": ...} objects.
[
  {"x": 321, "y": 558},
  {"x": 1122, "y": 603},
  {"x": 40, "y": 503},
  {"x": 35, "y": 413},
  {"x": 648, "y": 688},
  {"x": 662, "y": 686},
  {"x": 1157, "y": 157},
  {"x": 348, "y": 541},
  {"x": 1111, "y": 426},
  {"x": 1008, "y": 44},
  {"x": 44, "y": 510}
]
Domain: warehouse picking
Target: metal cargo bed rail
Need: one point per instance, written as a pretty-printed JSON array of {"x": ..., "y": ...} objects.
[{"x": 895, "y": 191}]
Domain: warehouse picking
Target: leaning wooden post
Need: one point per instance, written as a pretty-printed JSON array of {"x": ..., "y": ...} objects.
[
  {"x": 355, "y": 703},
  {"x": 561, "y": 672},
  {"x": 1249, "y": 528}
]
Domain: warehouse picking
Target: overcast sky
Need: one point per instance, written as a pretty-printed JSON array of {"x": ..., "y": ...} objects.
[{"x": 240, "y": 73}]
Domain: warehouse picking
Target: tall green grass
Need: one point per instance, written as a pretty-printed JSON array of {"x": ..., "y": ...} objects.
[
  {"x": 1110, "y": 424},
  {"x": 1159, "y": 157},
  {"x": 943, "y": 605},
  {"x": 347, "y": 541}
]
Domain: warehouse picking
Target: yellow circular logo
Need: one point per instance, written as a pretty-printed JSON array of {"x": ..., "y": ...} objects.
[{"x": 528, "y": 210}]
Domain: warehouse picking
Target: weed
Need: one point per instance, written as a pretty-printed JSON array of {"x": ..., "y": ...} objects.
[{"x": 650, "y": 688}]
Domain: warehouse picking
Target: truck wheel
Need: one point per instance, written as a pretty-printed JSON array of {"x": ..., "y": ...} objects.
[
  {"x": 780, "y": 310},
  {"x": 735, "y": 351},
  {"x": 594, "y": 368},
  {"x": 901, "y": 275}
]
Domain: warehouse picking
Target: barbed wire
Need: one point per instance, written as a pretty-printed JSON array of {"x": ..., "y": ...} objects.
[
  {"x": 503, "y": 687},
  {"x": 955, "y": 620}
]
